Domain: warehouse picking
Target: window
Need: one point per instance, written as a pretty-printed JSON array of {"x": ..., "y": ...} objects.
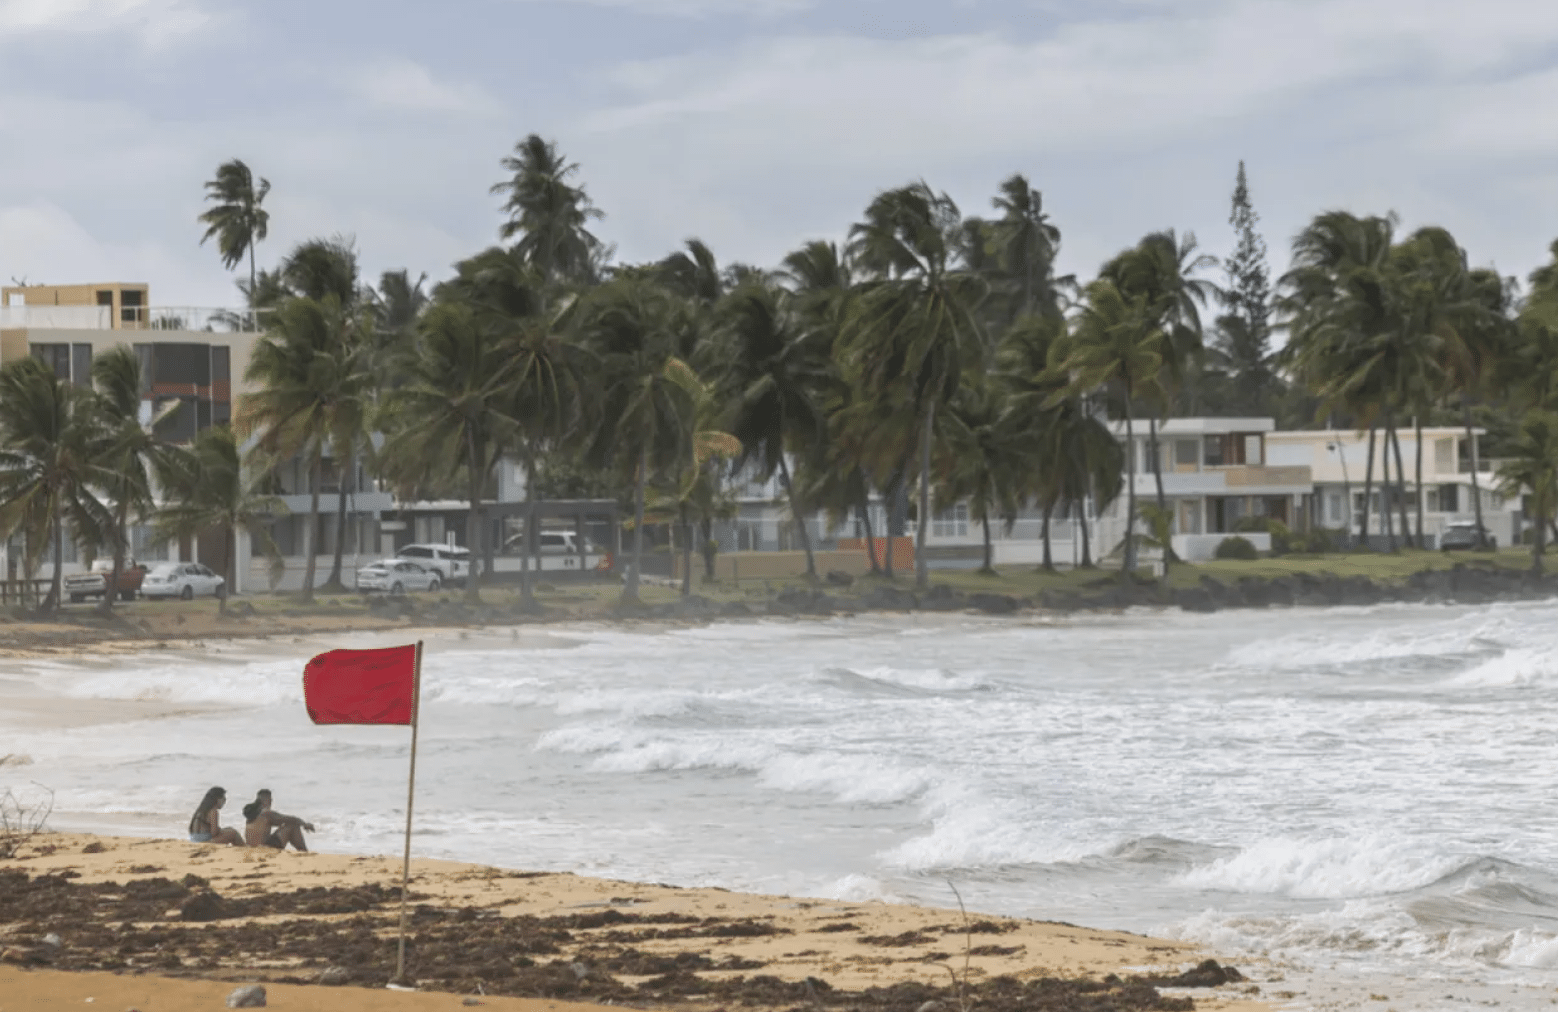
[
  {"x": 1449, "y": 498},
  {"x": 1213, "y": 457},
  {"x": 1444, "y": 455},
  {"x": 55, "y": 356},
  {"x": 1185, "y": 453},
  {"x": 131, "y": 306},
  {"x": 1252, "y": 450},
  {"x": 952, "y": 523}
]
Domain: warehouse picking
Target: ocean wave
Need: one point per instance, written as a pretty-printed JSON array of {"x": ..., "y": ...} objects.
[
  {"x": 1470, "y": 635},
  {"x": 851, "y": 779},
  {"x": 1328, "y": 868},
  {"x": 985, "y": 837},
  {"x": 1522, "y": 666},
  {"x": 902, "y": 682}
]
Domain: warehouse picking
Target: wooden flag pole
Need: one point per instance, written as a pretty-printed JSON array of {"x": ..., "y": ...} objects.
[{"x": 411, "y": 790}]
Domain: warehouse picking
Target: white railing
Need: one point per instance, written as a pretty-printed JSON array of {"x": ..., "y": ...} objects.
[{"x": 184, "y": 318}]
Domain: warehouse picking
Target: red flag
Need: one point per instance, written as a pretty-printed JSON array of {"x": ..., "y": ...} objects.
[{"x": 361, "y": 686}]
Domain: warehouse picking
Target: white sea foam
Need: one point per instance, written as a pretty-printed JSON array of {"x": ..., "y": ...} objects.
[
  {"x": 985, "y": 836},
  {"x": 1327, "y": 868},
  {"x": 1522, "y": 666},
  {"x": 849, "y": 778}
]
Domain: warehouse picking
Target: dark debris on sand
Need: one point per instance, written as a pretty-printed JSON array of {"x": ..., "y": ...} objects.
[{"x": 347, "y": 935}]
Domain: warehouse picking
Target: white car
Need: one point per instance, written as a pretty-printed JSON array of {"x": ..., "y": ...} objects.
[
  {"x": 396, "y": 576},
  {"x": 182, "y": 579},
  {"x": 451, "y": 562}
]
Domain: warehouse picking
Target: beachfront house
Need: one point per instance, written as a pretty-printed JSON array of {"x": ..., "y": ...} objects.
[{"x": 1339, "y": 461}]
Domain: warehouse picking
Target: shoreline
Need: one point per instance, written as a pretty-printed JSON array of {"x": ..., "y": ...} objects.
[
  {"x": 191, "y": 626},
  {"x": 171, "y": 918}
]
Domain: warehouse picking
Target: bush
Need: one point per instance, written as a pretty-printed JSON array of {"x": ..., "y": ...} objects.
[
  {"x": 1281, "y": 537},
  {"x": 1318, "y": 541},
  {"x": 1236, "y": 547}
]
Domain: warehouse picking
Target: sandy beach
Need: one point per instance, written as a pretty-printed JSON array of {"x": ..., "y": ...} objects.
[{"x": 169, "y": 925}]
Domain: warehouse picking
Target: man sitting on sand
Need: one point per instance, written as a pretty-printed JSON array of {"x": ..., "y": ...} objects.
[{"x": 268, "y": 828}]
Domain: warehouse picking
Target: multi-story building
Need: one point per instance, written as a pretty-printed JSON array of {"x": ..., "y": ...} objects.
[{"x": 196, "y": 356}]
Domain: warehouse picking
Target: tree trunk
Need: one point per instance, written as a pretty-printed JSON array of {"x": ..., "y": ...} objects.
[
  {"x": 473, "y": 518},
  {"x": 921, "y": 571},
  {"x": 630, "y": 590},
  {"x": 334, "y": 584},
  {"x": 686, "y": 525},
  {"x": 1385, "y": 489},
  {"x": 229, "y": 571},
  {"x": 800, "y": 517},
  {"x": 1476, "y": 492},
  {"x": 1401, "y": 485},
  {"x": 527, "y": 592},
  {"x": 1368, "y": 490},
  {"x": 989, "y": 566},
  {"x": 121, "y": 535},
  {"x": 1539, "y": 535},
  {"x": 1087, "y": 546},
  {"x": 864, "y": 509},
  {"x": 1049, "y": 559},
  {"x": 310, "y": 566},
  {"x": 706, "y": 535},
  {"x": 51, "y": 604},
  {"x": 1417, "y": 425},
  {"x": 1130, "y": 490},
  {"x": 1157, "y": 477}
]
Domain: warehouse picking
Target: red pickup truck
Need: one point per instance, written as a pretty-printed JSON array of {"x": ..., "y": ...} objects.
[{"x": 94, "y": 582}]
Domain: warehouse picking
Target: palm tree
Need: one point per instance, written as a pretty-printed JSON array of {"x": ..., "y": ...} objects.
[
  {"x": 773, "y": 370},
  {"x": 1117, "y": 342},
  {"x": 1161, "y": 271},
  {"x": 311, "y": 399},
  {"x": 50, "y": 462},
  {"x": 209, "y": 487},
  {"x": 1532, "y": 464},
  {"x": 548, "y": 213},
  {"x": 131, "y": 451},
  {"x": 629, "y": 326},
  {"x": 450, "y": 416},
  {"x": 238, "y": 220},
  {"x": 913, "y": 334},
  {"x": 703, "y": 449},
  {"x": 1026, "y": 245},
  {"x": 1340, "y": 307},
  {"x": 984, "y": 460}
]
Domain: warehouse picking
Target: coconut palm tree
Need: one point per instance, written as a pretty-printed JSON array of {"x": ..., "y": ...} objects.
[
  {"x": 704, "y": 448},
  {"x": 450, "y": 415},
  {"x": 773, "y": 370},
  {"x": 51, "y": 463},
  {"x": 1026, "y": 244},
  {"x": 209, "y": 487},
  {"x": 131, "y": 451},
  {"x": 311, "y": 400},
  {"x": 1531, "y": 467},
  {"x": 984, "y": 460},
  {"x": 1339, "y": 302},
  {"x": 1117, "y": 342},
  {"x": 630, "y": 326},
  {"x": 237, "y": 221},
  {"x": 913, "y": 333},
  {"x": 549, "y": 214}
]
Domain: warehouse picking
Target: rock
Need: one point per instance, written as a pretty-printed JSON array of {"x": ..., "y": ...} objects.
[
  {"x": 1196, "y": 599},
  {"x": 1207, "y": 974},
  {"x": 890, "y": 599},
  {"x": 334, "y": 976},
  {"x": 252, "y": 996},
  {"x": 994, "y": 604},
  {"x": 580, "y": 971},
  {"x": 693, "y": 606},
  {"x": 839, "y": 578},
  {"x": 204, "y": 905},
  {"x": 941, "y": 598},
  {"x": 801, "y": 601},
  {"x": 93, "y": 848},
  {"x": 735, "y": 609}
]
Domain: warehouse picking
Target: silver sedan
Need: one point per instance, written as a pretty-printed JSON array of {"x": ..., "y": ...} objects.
[{"x": 395, "y": 576}]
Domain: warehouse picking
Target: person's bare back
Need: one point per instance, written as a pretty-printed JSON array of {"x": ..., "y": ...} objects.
[{"x": 266, "y": 827}]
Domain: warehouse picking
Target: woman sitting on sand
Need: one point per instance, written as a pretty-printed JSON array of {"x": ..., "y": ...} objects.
[
  {"x": 266, "y": 828},
  {"x": 205, "y": 827}
]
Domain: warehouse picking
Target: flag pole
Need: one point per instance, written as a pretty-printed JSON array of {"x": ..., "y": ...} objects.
[{"x": 411, "y": 788}]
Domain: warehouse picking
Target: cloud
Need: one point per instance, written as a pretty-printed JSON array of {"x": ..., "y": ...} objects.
[
  {"x": 152, "y": 22},
  {"x": 698, "y": 8},
  {"x": 408, "y": 86}
]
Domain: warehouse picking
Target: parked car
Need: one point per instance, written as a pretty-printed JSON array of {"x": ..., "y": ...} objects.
[
  {"x": 182, "y": 579},
  {"x": 451, "y": 562},
  {"x": 94, "y": 582},
  {"x": 396, "y": 576},
  {"x": 559, "y": 550},
  {"x": 1464, "y": 535}
]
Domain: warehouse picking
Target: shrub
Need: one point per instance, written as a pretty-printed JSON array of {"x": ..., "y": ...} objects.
[
  {"x": 1236, "y": 547},
  {"x": 1318, "y": 541},
  {"x": 1281, "y": 537}
]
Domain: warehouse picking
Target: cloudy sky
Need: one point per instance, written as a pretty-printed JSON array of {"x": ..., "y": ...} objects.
[{"x": 758, "y": 124}]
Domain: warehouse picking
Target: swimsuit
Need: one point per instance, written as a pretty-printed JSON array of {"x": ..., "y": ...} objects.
[{"x": 200, "y": 837}]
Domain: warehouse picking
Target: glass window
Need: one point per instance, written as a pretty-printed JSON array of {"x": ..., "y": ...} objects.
[
  {"x": 1213, "y": 457},
  {"x": 1185, "y": 452}
]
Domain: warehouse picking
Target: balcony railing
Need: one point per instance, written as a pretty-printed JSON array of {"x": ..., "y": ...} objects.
[{"x": 187, "y": 318}]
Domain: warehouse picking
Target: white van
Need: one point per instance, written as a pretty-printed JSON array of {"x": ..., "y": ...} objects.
[
  {"x": 559, "y": 550},
  {"x": 452, "y": 563}
]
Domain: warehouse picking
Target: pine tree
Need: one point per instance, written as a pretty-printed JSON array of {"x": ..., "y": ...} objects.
[{"x": 1243, "y": 342}]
